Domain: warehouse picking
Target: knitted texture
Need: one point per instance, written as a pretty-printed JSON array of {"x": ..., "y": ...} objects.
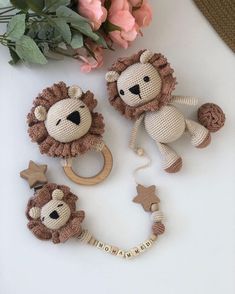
[
  {"x": 198, "y": 133},
  {"x": 68, "y": 120},
  {"x": 158, "y": 228},
  {"x": 140, "y": 87},
  {"x": 163, "y": 69},
  {"x": 146, "y": 87},
  {"x": 165, "y": 125},
  {"x": 71, "y": 126},
  {"x": 211, "y": 116},
  {"x": 221, "y": 15},
  {"x": 50, "y": 218}
]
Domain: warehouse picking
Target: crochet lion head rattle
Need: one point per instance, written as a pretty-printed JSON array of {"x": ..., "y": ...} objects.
[
  {"x": 140, "y": 87},
  {"x": 63, "y": 123}
]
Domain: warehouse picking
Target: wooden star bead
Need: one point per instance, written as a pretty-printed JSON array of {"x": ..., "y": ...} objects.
[
  {"x": 158, "y": 228},
  {"x": 146, "y": 197},
  {"x": 35, "y": 174}
]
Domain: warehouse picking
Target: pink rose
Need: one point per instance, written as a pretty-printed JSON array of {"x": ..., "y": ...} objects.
[
  {"x": 89, "y": 62},
  {"x": 120, "y": 15},
  {"x": 143, "y": 14},
  {"x": 94, "y": 11}
]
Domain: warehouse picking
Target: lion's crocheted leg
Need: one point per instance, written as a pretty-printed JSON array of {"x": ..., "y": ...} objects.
[
  {"x": 172, "y": 162},
  {"x": 200, "y": 136}
]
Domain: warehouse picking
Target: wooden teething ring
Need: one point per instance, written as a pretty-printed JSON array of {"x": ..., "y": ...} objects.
[{"x": 102, "y": 175}]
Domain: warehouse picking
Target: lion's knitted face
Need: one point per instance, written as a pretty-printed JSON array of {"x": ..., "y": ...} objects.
[
  {"x": 52, "y": 214},
  {"x": 55, "y": 214},
  {"x": 138, "y": 84},
  {"x": 68, "y": 120},
  {"x": 63, "y": 122}
]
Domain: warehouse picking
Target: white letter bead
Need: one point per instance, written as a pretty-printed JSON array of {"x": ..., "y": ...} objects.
[
  {"x": 121, "y": 253},
  {"x": 114, "y": 250},
  {"x": 135, "y": 251},
  {"x": 142, "y": 247},
  {"x": 100, "y": 245},
  {"x": 107, "y": 248},
  {"x": 148, "y": 243},
  {"x": 128, "y": 254},
  {"x": 157, "y": 216}
]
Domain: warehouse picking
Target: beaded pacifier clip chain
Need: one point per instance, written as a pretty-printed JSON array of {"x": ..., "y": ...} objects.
[{"x": 52, "y": 213}]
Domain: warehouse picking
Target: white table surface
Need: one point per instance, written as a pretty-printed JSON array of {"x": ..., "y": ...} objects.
[{"x": 197, "y": 252}]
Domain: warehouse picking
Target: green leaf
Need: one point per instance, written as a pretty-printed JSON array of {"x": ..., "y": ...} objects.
[
  {"x": 85, "y": 29},
  {"x": 35, "y": 5},
  {"x": 101, "y": 41},
  {"x": 110, "y": 27},
  {"x": 52, "y": 5},
  {"x": 14, "y": 56},
  {"x": 16, "y": 27},
  {"x": 28, "y": 50},
  {"x": 64, "y": 11},
  {"x": 20, "y": 4},
  {"x": 77, "y": 22},
  {"x": 63, "y": 28},
  {"x": 77, "y": 41}
]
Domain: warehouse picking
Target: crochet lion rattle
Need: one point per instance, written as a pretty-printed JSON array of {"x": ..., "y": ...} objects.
[{"x": 140, "y": 87}]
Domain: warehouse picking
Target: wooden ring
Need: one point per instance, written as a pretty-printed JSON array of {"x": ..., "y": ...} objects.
[{"x": 102, "y": 175}]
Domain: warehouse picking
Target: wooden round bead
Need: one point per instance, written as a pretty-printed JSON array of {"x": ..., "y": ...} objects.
[
  {"x": 157, "y": 216},
  {"x": 158, "y": 228},
  {"x": 154, "y": 207},
  {"x": 140, "y": 151},
  {"x": 153, "y": 237}
]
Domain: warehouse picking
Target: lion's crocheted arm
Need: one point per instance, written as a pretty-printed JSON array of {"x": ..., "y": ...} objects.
[
  {"x": 134, "y": 132},
  {"x": 192, "y": 101}
]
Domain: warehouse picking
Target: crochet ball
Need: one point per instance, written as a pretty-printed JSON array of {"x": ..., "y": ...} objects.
[
  {"x": 211, "y": 116},
  {"x": 158, "y": 228}
]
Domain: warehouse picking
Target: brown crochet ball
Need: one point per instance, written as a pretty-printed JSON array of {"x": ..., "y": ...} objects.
[
  {"x": 158, "y": 228},
  {"x": 211, "y": 116}
]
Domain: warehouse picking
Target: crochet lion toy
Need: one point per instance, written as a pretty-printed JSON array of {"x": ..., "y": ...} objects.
[
  {"x": 140, "y": 87},
  {"x": 52, "y": 214}
]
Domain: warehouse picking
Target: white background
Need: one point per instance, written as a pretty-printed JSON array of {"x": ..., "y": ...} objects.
[{"x": 197, "y": 252}]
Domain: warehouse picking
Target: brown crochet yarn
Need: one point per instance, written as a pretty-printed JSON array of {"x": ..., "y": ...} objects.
[
  {"x": 48, "y": 145},
  {"x": 168, "y": 85},
  {"x": 211, "y": 116},
  {"x": 158, "y": 228},
  {"x": 71, "y": 227}
]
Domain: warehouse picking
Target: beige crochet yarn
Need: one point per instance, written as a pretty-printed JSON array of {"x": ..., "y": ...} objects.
[
  {"x": 53, "y": 217},
  {"x": 140, "y": 87},
  {"x": 63, "y": 122},
  {"x": 68, "y": 120}
]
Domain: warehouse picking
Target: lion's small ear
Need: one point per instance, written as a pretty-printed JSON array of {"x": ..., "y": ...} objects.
[
  {"x": 111, "y": 76},
  {"x": 35, "y": 212},
  {"x": 75, "y": 92},
  {"x": 57, "y": 194},
  {"x": 40, "y": 113},
  {"x": 146, "y": 56}
]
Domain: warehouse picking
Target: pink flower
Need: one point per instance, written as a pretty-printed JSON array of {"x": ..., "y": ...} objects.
[
  {"x": 89, "y": 62},
  {"x": 94, "y": 11},
  {"x": 143, "y": 14},
  {"x": 120, "y": 15}
]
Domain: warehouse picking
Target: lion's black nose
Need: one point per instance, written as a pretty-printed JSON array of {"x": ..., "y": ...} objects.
[
  {"x": 135, "y": 89},
  {"x": 54, "y": 214},
  {"x": 74, "y": 117}
]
